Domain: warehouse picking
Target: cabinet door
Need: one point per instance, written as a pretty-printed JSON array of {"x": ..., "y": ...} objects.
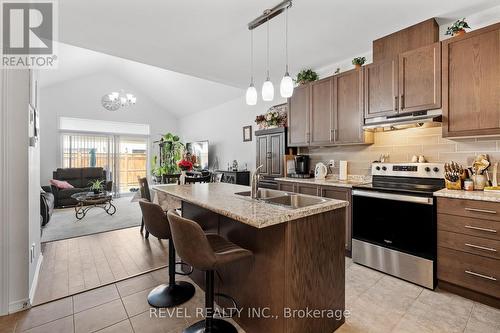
[
  {"x": 275, "y": 152},
  {"x": 285, "y": 186},
  {"x": 321, "y": 127},
  {"x": 348, "y": 107},
  {"x": 420, "y": 79},
  {"x": 471, "y": 84},
  {"x": 298, "y": 116},
  {"x": 262, "y": 154},
  {"x": 380, "y": 81},
  {"x": 342, "y": 194},
  {"x": 306, "y": 189}
]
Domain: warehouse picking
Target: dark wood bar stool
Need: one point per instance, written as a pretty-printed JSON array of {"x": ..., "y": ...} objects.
[
  {"x": 206, "y": 252},
  {"x": 174, "y": 293}
]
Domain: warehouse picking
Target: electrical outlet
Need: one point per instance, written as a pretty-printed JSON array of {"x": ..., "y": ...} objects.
[
  {"x": 32, "y": 253},
  {"x": 331, "y": 163}
]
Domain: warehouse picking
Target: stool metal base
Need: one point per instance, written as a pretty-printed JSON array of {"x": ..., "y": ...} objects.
[
  {"x": 218, "y": 326},
  {"x": 167, "y": 296}
]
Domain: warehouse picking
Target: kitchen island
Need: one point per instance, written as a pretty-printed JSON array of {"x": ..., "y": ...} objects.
[{"x": 295, "y": 283}]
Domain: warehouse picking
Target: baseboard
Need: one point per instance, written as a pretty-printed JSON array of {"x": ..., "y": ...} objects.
[
  {"x": 19, "y": 305},
  {"x": 470, "y": 294},
  {"x": 34, "y": 284}
]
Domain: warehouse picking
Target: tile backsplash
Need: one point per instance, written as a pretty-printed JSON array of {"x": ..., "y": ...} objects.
[{"x": 402, "y": 144}]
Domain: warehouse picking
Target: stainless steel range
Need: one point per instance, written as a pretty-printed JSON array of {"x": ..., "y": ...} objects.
[{"x": 394, "y": 221}]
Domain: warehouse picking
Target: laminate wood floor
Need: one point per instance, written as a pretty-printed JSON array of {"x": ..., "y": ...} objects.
[{"x": 74, "y": 265}]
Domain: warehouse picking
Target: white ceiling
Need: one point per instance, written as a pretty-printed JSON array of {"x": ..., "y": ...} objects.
[
  {"x": 179, "y": 94},
  {"x": 209, "y": 39}
]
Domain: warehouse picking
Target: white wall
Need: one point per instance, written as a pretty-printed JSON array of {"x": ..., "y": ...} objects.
[
  {"x": 20, "y": 217},
  {"x": 81, "y": 98},
  {"x": 222, "y": 126}
]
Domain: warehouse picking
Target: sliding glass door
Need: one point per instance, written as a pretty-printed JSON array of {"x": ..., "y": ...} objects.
[{"x": 124, "y": 158}]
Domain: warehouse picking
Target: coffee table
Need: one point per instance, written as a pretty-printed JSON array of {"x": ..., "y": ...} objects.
[{"x": 89, "y": 200}]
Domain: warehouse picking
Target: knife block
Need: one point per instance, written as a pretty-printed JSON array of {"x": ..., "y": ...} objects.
[{"x": 453, "y": 185}]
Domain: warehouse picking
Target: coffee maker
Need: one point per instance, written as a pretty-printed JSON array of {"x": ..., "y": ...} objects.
[{"x": 302, "y": 169}]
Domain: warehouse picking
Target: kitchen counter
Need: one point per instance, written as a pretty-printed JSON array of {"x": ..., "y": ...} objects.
[
  {"x": 221, "y": 199},
  {"x": 468, "y": 195},
  {"x": 329, "y": 181},
  {"x": 298, "y": 260}
]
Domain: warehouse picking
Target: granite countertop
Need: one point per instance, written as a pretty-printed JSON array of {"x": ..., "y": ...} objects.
[
  {"x": 328, "y": 181},
  {"x": 221, "y": 199},
  {"x": 468, "y": 195}
]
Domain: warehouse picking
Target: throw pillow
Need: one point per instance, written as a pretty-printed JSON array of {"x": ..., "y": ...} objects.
[{"x": 61, "y": 184}]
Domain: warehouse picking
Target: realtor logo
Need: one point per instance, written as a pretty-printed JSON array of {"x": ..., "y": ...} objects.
[{"x": 28, "y": 30}]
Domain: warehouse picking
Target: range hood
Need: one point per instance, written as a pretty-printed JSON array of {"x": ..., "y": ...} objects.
[{"x": 404, "y": 119}]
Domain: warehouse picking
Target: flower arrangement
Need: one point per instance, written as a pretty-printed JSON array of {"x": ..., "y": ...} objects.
[
  {"x": 272, "y": 118},
  {"x": 185, "y": 165},
  {"x": 457, "y": 28},
  {"x": 306, "y": 75}
]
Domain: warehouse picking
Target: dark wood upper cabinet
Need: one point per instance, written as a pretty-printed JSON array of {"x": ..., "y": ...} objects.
[
  {"x": 298, "y": 116},
  {"x": 471, "y": 83},
  {"x": 271, "y": 146},
  {"x": 414, "y": 37},
  {"x": 321, "y": 128},
  {"x": 348, "y": 107},
  {"x": 381, "y": 89},
  {"x": 420, "y": 79}
]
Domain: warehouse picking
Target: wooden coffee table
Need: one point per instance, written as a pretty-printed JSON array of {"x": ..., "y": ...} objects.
[{"x": 89, "y": 200}]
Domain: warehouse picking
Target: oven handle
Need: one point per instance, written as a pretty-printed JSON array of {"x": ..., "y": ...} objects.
[{"x": 397, "y": 197}]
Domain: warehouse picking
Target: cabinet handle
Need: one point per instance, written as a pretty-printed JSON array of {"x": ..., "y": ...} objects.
[
  {"x": 480, "y": 229},
  {"x": 268, "y": 154},
  {"x": 491, "y": 278},
  {"x": 480, "y": 210},
  {"x": 481, "y": 247},
  {"x": 402, "y": 101},
  {"x": 396, "y": 103}
]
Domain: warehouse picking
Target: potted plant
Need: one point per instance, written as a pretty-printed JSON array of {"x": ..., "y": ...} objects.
[
  {"x": 171, "y": 152},
  {"x": 306, "y": 75},
  {"x": 97, "y": 186},
  {"x": 358, "y": 62},
  {"x": 457, "y": 28}
]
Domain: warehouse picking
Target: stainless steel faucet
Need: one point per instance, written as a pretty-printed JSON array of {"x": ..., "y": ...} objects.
[{"x": 255, "y": 183}]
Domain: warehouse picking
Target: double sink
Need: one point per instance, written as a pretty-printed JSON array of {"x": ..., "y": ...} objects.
[{"x": 289, "y": 200}]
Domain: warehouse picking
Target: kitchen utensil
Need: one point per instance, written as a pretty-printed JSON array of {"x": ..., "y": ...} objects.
[
  {"x": 414, "y": 159},
  {"x": 495, "y": 173},
  {"x": 320, "y": 171},
  {"x": 479, "y": 182},
  {"x": 421, "y": 159}
]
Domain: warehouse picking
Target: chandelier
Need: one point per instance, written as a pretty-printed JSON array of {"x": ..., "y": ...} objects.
[{"x": 116, "y": 100}]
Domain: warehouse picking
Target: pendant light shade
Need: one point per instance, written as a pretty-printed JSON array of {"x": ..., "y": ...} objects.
[
  {"x": 267, "y": 91},
  {"x": 251, "y": 95},
  {"x": 286, "y": 86}
]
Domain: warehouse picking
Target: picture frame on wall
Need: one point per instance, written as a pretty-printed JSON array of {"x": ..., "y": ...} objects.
[{"x": 247, "y": 133}]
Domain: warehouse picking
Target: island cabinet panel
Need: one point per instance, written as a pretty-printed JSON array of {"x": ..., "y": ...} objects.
[
  {"x": 307, "y": 189},
  {"x": 286, "y": 186},
  {"x": 321, "y": 128},
  {"x": 468, "y": 260},
  {"x": 296, "y": 265},
  {"x": 298, "y": 116},
  {"x": 420, "y": 79},
  {"x": 381, "y": 89},
  {"x": 471, "y": 85},
  {"x": 348, "y": 107}
]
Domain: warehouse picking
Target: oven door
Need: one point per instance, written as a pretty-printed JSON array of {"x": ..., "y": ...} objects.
[{"x": 401, "y": 222}]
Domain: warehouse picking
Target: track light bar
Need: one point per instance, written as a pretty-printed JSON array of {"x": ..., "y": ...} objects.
[{"x": 270, "y": 14}]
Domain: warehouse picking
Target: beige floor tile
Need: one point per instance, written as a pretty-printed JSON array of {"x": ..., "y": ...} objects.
[
  {"x": 358, "y": 280},
  {"x": 95, "y": 297},
  {"x": 145, "y": 323},
  {"x": 136, "y": 303},
  {"x": 136, "y": 284},
  {"x": 100, "y": 317},
  {"x": 63, "y": 325},
  {"x": 8, "y": 323},
  {"x": 45, "y": 313},
  {"x": 121, "y": 327},
  {"x": 483, "y": 319}
]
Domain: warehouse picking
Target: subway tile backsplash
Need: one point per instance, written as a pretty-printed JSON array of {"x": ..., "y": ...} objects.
[{"x": 401, "y": 145}]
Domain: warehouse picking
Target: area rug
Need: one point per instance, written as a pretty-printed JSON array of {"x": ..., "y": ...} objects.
[{"x": 64, "y": 224}]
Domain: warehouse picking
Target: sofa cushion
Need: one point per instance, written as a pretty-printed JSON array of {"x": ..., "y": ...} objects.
[
  {"x": 91, "y": 174},
  {"x": 71, "y": 175},
  {"x": 61, "y": 184}
]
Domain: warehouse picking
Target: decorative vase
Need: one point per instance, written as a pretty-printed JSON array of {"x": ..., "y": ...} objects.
[
  {"x": 459, "y": 32},
  {"x": 96, "y": 192},
  {"x": 479, "y": 182},
  {"x": 182, "y": 178},
  {"x": 357, "y": 66}
]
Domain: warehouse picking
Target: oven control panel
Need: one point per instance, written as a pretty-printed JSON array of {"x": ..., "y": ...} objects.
[{"x": 421, "y": 170}]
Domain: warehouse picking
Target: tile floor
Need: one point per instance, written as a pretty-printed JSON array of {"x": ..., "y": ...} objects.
[{"x": 377, "y": 302}]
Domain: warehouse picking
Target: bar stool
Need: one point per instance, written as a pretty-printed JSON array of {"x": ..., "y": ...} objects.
[
  {"x": 206, "y": 252},
  {"x": 174, "y": 293}
]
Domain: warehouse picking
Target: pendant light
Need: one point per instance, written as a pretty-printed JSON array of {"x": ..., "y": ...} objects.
[
  {"x": 251, "y": 96},
  {"x": 267, "y": 87},
  {"x": 286, "y": 86}
]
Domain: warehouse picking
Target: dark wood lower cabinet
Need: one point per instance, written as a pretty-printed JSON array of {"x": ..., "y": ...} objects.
[{"x": 332, "y": 192}]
